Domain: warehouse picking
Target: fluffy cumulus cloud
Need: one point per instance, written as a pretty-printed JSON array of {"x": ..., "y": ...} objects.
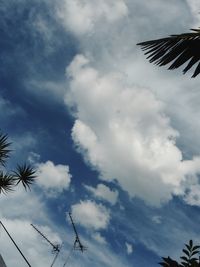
[
  {"x": 110, "y": 45},
  {"x": 80, "y": 16},
  {"x": 53, "y": 178},
  {"x": 103, "y": 192},
  {"x": 91, "y": 215},
  {"x": 124, "y": 133}
]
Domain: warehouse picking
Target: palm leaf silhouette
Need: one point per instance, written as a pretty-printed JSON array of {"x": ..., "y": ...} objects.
[
  {"x": 4, "y": 151},
  {"x": 25, "y": 174},
  {"x": 176, "y": 49},
  {"x": 7, "y": 182}
]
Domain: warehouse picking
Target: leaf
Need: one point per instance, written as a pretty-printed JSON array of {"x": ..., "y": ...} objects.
[
  {"x": 194, "y": 252},
  {"x": 188, "y": 247},
  {"x": 168, "y": 262},
  {"x": 184, "y": 258},
  {"x": 196, "y": 247},
  {"x": 7, "y": 182},
  {"x": 191, "y": 243},
  {"x": 185, "y": 264},
  {"x": 193, "y": 259},
  {"x": 4, "y": 151},
  {"x": 176, "y": 49},
  {"x": 25, "y": 175},
  {"x": 186, "y": 252}
]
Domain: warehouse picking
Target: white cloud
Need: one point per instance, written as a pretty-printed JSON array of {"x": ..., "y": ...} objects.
[
  {"x": 91, "y": 215},
  {"x": 123, "y": 132},
  {"x": 33, "y": 157},
  {"x": 194, "y": 6},
  {"x": 157, "y": 219},
  {"x": 99, "y": 238},
  {"x": 46, "y": 89},
  {"x": 192, "y": 196},
  {"x": 103, "y": 192},
  {"x": 81, "y": 16},
  {"x": 129, "y": 248},
  {"x": 53, "y": 178},
  {"x": 21, "y": 204}
]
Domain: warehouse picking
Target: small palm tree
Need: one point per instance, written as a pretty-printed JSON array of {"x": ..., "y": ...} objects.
[
  {"x": 24, "y": 174},
  {"x": 188, "y": 260}
]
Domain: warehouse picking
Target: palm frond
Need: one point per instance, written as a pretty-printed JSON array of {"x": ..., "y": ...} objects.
[
  {"x": 4, "y": 151},
  {"x": 7, "y": 182},
  {"x": 168, "y": 262},
  {"x": 176, "y": 49},
  {"x": 25, "y": 174}
]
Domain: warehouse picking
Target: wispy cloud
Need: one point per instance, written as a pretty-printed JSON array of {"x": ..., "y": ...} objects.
[
  {"x": 103, "y": 192},
  {"x": 129, "y": 248}
]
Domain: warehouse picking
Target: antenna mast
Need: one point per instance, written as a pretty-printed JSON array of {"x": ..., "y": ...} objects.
[
  {"x": 77, "y": 243},
  {"x": 56, "y": 248}
]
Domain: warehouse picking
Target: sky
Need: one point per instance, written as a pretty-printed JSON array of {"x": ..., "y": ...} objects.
[{"x": 114, "y": 139}]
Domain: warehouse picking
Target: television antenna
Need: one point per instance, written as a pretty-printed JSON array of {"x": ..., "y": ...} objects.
[
  {"x": 56, "y": 248},
  {"x": 77, "y": 243}
]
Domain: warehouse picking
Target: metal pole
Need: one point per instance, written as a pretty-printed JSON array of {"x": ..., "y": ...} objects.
[
  {"x": 54, "y": 247},
  {"x": 73, "y": 225},
  {"x": 55, "y": 258},
  {"x": 15, "y": 244},
  {"x": 77, "y": 240}
]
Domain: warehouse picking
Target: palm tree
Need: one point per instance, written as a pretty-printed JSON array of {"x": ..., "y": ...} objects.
[
  {"x": 176, "y": 49},
  {"x": 24, "y": 174},
  {"x": 188, "y": 260}
]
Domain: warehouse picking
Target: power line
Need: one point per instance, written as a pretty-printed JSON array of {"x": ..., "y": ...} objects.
[
  {"x": 68, "y": 256},
  {"x": 15, "y": 244}
]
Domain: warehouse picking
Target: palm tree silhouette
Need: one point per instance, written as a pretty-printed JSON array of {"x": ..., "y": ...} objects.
[
  {"x": 24, "y": 174},
  {"x": 188, "y": 260},
  {"x": 176, "y": 49}
]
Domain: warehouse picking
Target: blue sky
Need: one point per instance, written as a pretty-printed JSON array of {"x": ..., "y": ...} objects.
[{"x": 115, "y": 139}]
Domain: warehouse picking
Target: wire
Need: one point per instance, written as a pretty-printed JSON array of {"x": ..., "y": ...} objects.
[
  {"x": 15, "y": 244},
  {"x": 55, "y": 258},
  {"x": 68, "y": 256}
]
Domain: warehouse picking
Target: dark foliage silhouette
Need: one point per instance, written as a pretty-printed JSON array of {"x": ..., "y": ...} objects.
[
  {"x": 189, "y": 259},
  {"x": 4, "y": 151},
  {"x": 176, "y": 49},
  {"x": 24, "y": 174}
]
